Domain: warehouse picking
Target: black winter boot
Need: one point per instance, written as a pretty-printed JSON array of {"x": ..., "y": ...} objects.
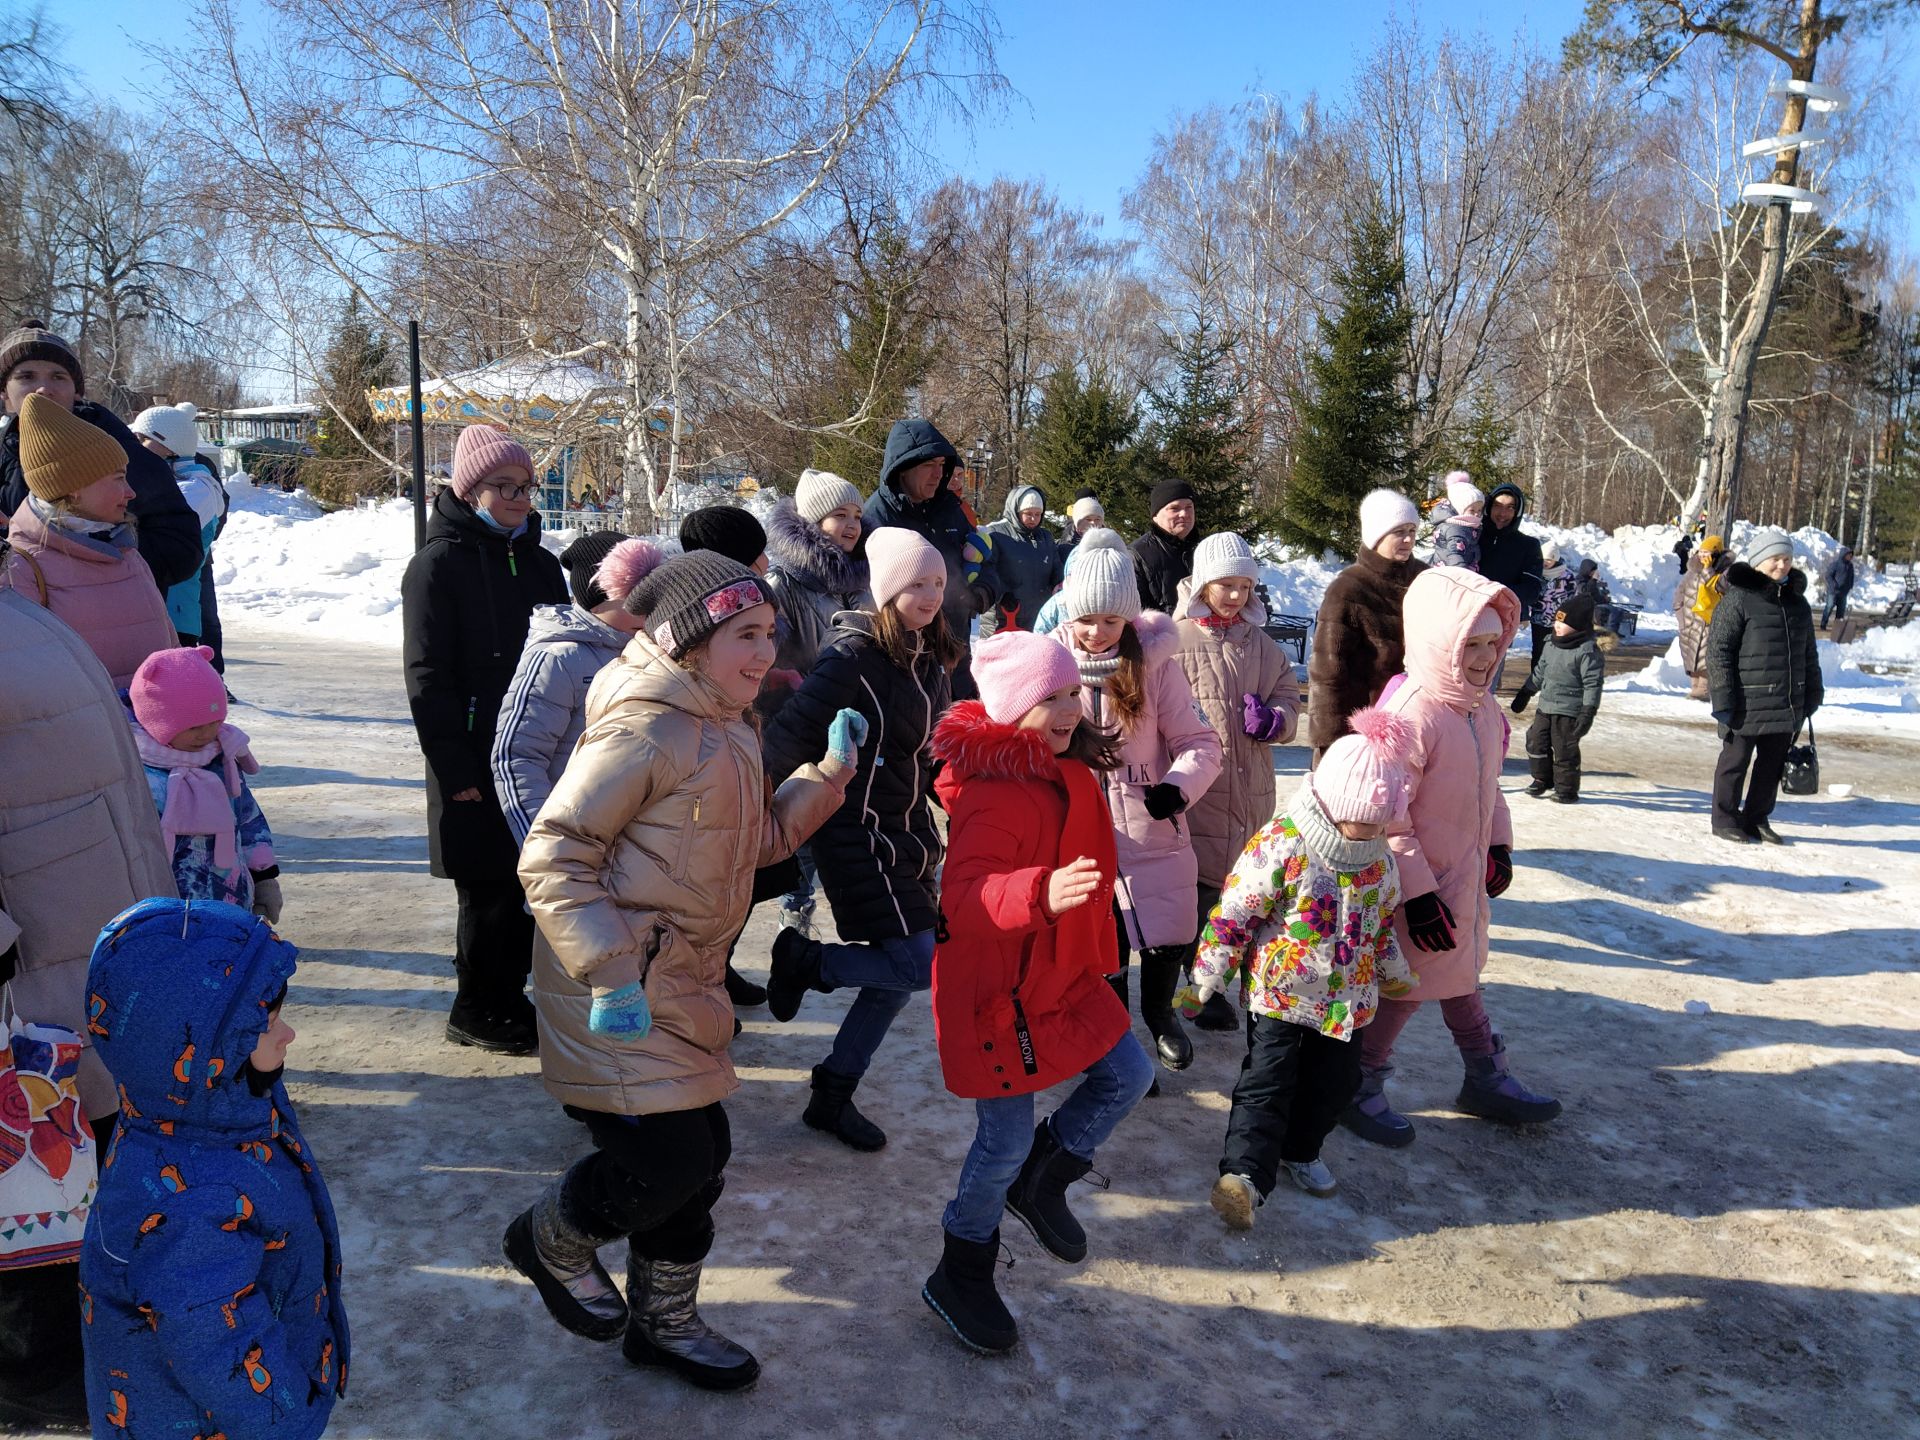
[
  {"x": 500, "y": 1030},
  {"x": 742, "y": 991},
  {"x": 667, "y": 1329},
  {"x": 1038, "y": 1197},
  {"x": 796, "y": 970},
  {"x": 1159, "y": 978},
  {"x": 960, "y": 1291},
  {"x": 831, "y": 1109}
]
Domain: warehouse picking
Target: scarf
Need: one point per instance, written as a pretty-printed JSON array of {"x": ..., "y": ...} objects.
[
  {"x": 1096, "y": 670},
  {"x": 1323, "y": 839},
  {"x": 1213, "y": 620},
  {"x": 56, "y": 518},
  {"x": 199, "y": 802}
]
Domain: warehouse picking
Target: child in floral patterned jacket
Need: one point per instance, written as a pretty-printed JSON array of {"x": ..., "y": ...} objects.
[{"x": 1307, "y": 918}]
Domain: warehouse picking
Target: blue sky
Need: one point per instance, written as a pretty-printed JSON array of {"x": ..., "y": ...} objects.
[{"x": 1096, "y": 78}]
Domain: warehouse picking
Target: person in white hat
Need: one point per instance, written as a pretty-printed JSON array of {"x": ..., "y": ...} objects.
[{"x": 170, "y": 432}]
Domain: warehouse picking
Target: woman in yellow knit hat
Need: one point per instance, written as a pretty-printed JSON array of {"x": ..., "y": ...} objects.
[{"x": 73, "y": 547}]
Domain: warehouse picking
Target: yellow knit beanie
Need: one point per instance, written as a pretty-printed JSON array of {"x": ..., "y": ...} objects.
[{"x": 61, "y": 454}]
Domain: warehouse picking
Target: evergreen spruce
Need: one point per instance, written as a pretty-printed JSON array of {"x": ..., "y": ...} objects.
[
  {"x": 358, "y": 359},
  {"x": 1480, "y": 447},
  {"x": 1199, "y": 434},
  {"x": 1083, "y": 436},
  {"x": 1355, "y": 420}
]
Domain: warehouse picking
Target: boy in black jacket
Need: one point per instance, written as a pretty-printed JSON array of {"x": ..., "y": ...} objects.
[{"x": 1567, "y": 679}]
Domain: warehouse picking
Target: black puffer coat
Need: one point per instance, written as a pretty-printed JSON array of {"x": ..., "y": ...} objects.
[
  {"x": 1512, "y": 556},
  {"x": 1160, "y": 563},
  {"x": 1763, "y": 662},
  {"x": 942, "y": 521},
  {"x": 880, "y": 851},
  {"x": 168, "y": 531},
  {"x": 466, "y": 600},
  {"x": 812, "y": 580}
]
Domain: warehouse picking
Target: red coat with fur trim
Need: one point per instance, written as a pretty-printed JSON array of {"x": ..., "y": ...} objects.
[{"x": 1020, "y": 1002}]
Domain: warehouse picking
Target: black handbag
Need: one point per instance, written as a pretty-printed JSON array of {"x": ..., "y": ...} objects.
[{"x": 1802, "y": 773}]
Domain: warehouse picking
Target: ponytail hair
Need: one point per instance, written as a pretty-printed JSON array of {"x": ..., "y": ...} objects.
[{"x": 1127, "y": 687}]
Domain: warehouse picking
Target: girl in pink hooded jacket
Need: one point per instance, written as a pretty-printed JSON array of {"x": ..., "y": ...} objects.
[
  {"x": 1454, "y": 846},
  {"x": 1132, "y": 684}
]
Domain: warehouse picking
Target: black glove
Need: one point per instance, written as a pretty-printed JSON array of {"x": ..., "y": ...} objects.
[
  {"x": 1429, "y": 923},
  {"x": 1520, "y": 701},
  {"x": 1499, "y": 869},
  {"x": 1586, "y": 724},
  {"x": 1165, "y": 801},
  {"x": 9, "y": 964}
]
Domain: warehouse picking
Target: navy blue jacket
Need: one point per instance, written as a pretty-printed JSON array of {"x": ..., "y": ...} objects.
[
  {"x": 210, "y": 1275},
  {"x": 1839, "y": 574},
  {"x": 941, "y": 520}
]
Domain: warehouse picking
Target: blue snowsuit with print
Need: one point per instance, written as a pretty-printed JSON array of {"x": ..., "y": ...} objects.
[{"x": 210, "y": 1275}]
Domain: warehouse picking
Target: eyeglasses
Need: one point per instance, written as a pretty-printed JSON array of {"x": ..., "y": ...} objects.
[{"x": 509, "y": 490}]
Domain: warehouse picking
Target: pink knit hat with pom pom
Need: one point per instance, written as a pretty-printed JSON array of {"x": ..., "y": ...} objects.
[
  {"x": 626, "y": 565},
  {"x": 481, "y": 451},
  {"x": 1361, "y": 778},
  {"x": 175, "y": 690}
]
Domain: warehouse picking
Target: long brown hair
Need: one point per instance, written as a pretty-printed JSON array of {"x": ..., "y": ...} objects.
[
  {"x": 1127, "y": 686},
  {"x": 1097, "y": 749},
  {"x": 903, "y": 646}
]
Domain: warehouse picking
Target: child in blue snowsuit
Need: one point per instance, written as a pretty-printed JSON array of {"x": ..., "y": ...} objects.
[
  {"x": 196, "y": 764},
  {"x": 210, "y": 1274}
]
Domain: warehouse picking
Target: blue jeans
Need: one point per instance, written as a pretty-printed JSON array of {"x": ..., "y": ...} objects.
[
  {"x": 888, "y": 974},
  {"x": 1113, "y": 1085},
  {"x": 801, "y": 896}
]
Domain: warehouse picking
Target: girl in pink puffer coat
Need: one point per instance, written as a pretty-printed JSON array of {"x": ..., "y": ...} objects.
[
  {"x": 1454, "y": 846},
  {"x": 1132, "y": 684}
]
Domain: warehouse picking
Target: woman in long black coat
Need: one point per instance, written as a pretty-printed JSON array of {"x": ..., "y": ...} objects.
[
  {"x": 1763, "y": 674},
  {"x": 467, "y": 597}
]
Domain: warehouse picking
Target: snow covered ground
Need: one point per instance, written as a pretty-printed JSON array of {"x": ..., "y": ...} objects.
[{"x": 1719, "y": 1237}]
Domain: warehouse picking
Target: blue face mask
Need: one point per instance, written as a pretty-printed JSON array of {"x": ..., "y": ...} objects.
[{"x": 497, "y": 528}]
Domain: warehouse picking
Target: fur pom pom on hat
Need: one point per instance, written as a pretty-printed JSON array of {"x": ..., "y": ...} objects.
[
  {"x": 483, "y": 451},
  {"x": 1384, "y": 510},
  {"x": 1361, "y": 779},
  {"x": 626, "y": 565}
]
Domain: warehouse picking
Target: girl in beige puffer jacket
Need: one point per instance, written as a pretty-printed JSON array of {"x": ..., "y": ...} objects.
[{"x": 639, "y": 870}]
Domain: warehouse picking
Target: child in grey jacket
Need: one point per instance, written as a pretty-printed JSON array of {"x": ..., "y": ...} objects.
[{"x": 1567, "y": 680}]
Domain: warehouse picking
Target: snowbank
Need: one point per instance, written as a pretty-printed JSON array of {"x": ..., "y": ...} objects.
[{"x": 1856, "y": 699}]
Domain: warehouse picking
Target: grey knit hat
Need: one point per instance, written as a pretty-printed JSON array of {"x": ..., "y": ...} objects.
[
  {"x": 1765, "y": 544},
  {"x": 1102, "y": 583},
  {"x": 693, "y": 595},
  {"x": 821, "y": 492}
]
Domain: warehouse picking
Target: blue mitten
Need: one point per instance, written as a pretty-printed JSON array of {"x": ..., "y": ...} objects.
[
  {"x": 621, "y": 1012},
  {"x": 845, "y": 736}
]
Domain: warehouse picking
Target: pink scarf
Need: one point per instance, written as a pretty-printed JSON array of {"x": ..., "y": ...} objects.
[{"x": 198, "y": 801}]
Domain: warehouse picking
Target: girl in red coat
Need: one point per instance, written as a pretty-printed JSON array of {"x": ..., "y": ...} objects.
[{"x": 1020, "y": 996}]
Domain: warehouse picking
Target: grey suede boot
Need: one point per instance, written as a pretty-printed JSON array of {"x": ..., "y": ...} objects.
[
  {"x": 666, "y": 1329},
  {"x": 561, "y": 1259}
]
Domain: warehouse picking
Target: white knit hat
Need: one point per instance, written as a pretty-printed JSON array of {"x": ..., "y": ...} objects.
[
  {"x": 896, "y": 557},
  {"x": 1102, "y": 583},
  {"x": 172, "y": 426},
  {"x": 1462, "y": 493},
  {"x": 1381, "y": 511},
  {"x": 1099, "y": 537},
  {"x": 1223, "y": 556},
  {"x": 821, "y": 492},
  {"x": 1083, "y": 507}
]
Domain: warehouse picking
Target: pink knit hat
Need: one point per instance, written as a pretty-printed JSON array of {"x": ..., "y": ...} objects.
[
  {"x": 896, "y": 557},
  {"x": 1361, "y": 778},
  {"x": 482, "y": 451},
  {"x": 1015, "y": 670},
  {"x": 175, "y": 690}
]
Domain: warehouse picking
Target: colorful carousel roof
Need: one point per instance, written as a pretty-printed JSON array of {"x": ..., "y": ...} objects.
[{"x": 528, "y": 391}]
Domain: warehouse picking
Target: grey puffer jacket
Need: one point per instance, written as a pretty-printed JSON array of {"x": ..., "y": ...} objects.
[
  {"x": 545, "y": 708},
  {"x": 1031, "y": 567},
  {"x": 1569, "y": 677},
  {"x": 812, "y": 580},
  {"x": 1763, "y": 661},
  {"x": 79, "y": 836}
]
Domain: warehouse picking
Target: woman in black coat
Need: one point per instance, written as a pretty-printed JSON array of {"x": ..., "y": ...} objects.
[
  {"x": 1763, "y": 675},
  {"x": 466, "y": 599},
  {"x": 879, "y": 854}
]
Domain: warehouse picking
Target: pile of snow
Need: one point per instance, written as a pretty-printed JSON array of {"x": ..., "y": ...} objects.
[
  {"x": 1888, "y": 645},
  {"x": 1855, "y": 698}
]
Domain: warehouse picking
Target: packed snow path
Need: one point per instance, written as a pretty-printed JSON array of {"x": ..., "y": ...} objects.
[{"x": 1719, "y": 1236}]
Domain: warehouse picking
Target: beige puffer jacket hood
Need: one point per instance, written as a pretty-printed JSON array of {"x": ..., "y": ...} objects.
[{"x": 640, "y": 866}]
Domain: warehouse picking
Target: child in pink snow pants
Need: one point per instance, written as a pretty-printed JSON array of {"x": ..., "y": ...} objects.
[{"x": 1454, "y": 846}]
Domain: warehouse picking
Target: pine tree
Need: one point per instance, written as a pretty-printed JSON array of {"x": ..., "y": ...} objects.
[
  {"x": 358, "y": 359},
  {"x": 1083, "y": 436},
  {"x": 1480, "y": 447},
  {"x": 1355, "y": 420},
  {"x": 1199, "y": 434}
]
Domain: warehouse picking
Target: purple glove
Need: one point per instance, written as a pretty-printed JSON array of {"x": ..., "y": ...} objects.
[{"x": 1260, "y": 720}]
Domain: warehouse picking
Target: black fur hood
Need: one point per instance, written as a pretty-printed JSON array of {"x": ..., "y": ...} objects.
[{"x": 799, "y": 548}]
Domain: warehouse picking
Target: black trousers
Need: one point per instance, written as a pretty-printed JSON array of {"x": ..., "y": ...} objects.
[
  {"x": 1541, "y": 635},
  {"x": 1159, "y": 976},
  {"x": 652, "y": 1178},
  {"x": 493, "y": 944},
  {"x": 1768, "y": 755},
  {"x": 1553, "y": 753},
  {"x": 40, "y": 1315},
  {"x": 1292, "y": 1087}
]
